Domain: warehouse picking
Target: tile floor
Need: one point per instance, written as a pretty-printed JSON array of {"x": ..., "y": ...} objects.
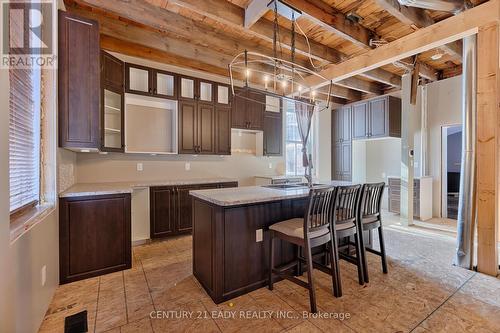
[{"x": 423, "y": 292}]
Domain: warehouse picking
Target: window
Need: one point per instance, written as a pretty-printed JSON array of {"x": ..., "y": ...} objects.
[
  {"x": 24, "y": 132},
  {"x": 293, "y": 142}
]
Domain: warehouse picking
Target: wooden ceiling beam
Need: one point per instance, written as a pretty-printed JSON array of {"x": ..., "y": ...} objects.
[
  {"x": 232, "y": 16},
  {"x": 448, "y": 30},
  {"x": 383, "y": 77},
  {"x": 418, "y": 18},
  {"x": 335, "y": 22},
  {"x": 254, "y": 11},
  {"x": 361, "y": 85}
]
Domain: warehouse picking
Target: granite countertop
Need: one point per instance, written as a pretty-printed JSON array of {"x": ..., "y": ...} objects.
[
  {"x": 253, "y": 194},
  {"x": 84, "y": 189},
  {"x": 276, "y": 176}
]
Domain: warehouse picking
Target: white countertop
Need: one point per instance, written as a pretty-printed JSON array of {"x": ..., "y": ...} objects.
[
  {"x": 277, "y": 176},
  {"x": 252, "y": 194},
  {"x": 85, "y": 189}
]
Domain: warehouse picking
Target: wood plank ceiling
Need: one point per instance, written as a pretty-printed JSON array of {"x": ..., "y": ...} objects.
[{"x": 206, "y": 35}]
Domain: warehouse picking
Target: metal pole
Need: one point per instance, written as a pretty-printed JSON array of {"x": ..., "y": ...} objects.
[{"x": 467, "y": 197}]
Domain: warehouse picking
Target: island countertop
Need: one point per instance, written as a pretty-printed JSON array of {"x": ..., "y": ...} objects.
[{"x": 254, "y": 194}]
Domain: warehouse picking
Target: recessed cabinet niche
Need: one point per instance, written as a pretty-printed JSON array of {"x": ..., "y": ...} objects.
[{"x": 112, "y": 137}]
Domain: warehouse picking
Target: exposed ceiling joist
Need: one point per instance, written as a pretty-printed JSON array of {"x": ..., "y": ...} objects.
[
  {"x": 232, "y": 16},
  {"x": 335, "y": 22},
  {"x": 448, "y": 30},
  {"x": 254, "y": 11},
  {"x": 417, "y": 18},
  {"x": 384, "y": 77}
]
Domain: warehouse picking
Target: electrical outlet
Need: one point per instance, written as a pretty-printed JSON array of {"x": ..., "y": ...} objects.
[
  {"x": 139, "y": 167},
  {"x": 187, "y": 166},
  {"x": 270, "y": 165},
  {"x": 383, "y": 175},
  {"x": 240, "y": 133},
  {"x": 43, "y": 274},
  {"x": 258, "y": 235}
]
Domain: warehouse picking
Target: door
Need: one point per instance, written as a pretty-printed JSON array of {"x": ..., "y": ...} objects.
[
  {"x": 138, "y": 79},
  {"x": 94, "y": 236},
  {"x": 187, "y": 127},
  {"x": 273, "y": 134},
  {"x": 337, "y": 162},
  {"x": 223, "y": 130},
  {"x": 112, "y": 70},
  {"x": 337, "y": 126},
  {"x": 223, "y": 94},
  {"x": 239, "y": 119},
  {"x": 184, "y": 206},
  {"x": 164, "y": 84},
  {"x": 187, "y": 88},
  {"x": 346, "y": 161},
  {"x": 255, "y": 110},
  {"x": 162, "y": 212},
  {"x": 205, "y": 91},
  {"x": 378, "y": 118},
  {"x": 206, "y": 128},
  {"x": 346, "y": 122},
  {"x": 359, "y": 119},
  {"x": 79, "y": 82}
]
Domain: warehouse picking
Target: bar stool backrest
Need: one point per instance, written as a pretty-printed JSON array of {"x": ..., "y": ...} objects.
[
  {"x": 318, "y": 214},
  {"x": 346, "y": 204},
  {"x": 371, "y": 200}
]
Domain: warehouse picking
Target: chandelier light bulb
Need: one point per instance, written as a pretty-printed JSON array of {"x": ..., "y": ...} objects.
[
  {"x": 266, "y": 78},
  {"x": 313, "y": 93},
  {"x": 283, "y": 83},
  {"x": 248, "y": 72},
  {"x": 299, "y": 88}
]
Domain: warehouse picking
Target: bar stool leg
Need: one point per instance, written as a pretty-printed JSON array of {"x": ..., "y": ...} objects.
[
  {"x": 300, "y": 270},
  {"x": 359, "y": 258},
  {"x": 363, "y": 256},
  {"x": 271, "y": 259},
  {"x": 382, "y": 248},
  {"x": 335, "y": 269},
  {"x": 312, "y": 293}
]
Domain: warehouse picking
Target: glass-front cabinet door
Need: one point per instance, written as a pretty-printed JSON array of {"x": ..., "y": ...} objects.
[
  {"x": 165, "y": 85},
  {"x": 223, "y": 94},
  {"x": 113, "y": 120},
  {"x": 206, "y": 91},
  {"x": 138, "y": 79},
  {"x": 187, "y": 88}
]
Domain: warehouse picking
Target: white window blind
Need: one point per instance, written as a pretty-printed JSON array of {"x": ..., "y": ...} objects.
[{"x": 24, "y": 132}]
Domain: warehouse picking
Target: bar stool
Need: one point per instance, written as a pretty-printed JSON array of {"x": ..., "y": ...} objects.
[
  {"x": 346, "y": 225},
  {"x": 311, "y": 231},
  {"x": 371, "y": 218}
]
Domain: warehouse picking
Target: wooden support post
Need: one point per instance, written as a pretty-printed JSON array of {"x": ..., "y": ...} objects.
[{"x": 488, "y": 144}]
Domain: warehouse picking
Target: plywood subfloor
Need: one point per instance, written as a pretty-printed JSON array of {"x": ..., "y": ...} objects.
[{"x": 423, "y": 292}]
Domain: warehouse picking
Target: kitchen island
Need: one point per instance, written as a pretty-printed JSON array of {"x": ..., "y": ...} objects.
[{"x": 231, "y": 236}]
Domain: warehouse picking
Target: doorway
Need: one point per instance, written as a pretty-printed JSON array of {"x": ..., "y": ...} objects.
[{"x": 450, "y": 170}]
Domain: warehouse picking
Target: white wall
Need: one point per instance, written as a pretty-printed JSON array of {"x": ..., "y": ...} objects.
[
  {"x": 322, "y": 140},
  {"x": 444, "y": 103}
]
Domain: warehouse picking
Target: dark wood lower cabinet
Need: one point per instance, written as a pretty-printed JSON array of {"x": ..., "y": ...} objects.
[
  {"x": 94, "y": 236},
  {"x": 171, "y": 208}
]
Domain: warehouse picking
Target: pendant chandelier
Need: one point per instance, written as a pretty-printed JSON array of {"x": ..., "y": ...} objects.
[{"x": 275, "y": 75}]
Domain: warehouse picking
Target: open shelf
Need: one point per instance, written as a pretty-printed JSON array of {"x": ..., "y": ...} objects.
[{"x": 112, "y": 131}]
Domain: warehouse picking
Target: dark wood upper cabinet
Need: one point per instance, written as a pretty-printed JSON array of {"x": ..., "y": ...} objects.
[
  {"x": 248, "y": 109},
  {"x": 196, "y": 128},
  {"x": 377, "y": 118},
  {"x": 273, "y": 126},
  {"x": 187, "y": 127},
  {"x": 187, "y": 88},
  {"x": 223, "y": 130},
  {"x": 94, "y": 236},
  {"x": 206, "y": 128},
  {"x": 223, "y": 95},
  {"x": 112, "y": 71},
  {"x": 149, "y": 81},
  {"x": 239, "y": 117},
  {"x": 112, "y": 103},
  {"x": 273, "y": 135},
  {"x": 78, "y": 86},
  {"x": 255, "y": 109}
]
